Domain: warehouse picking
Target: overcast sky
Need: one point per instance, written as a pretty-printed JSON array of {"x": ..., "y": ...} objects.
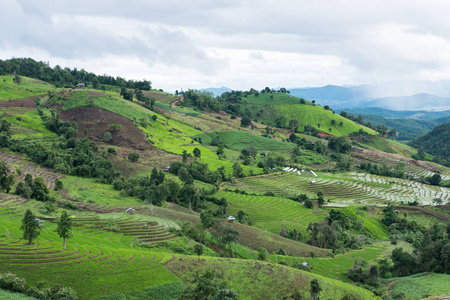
[{"x": 235, "y": 43}]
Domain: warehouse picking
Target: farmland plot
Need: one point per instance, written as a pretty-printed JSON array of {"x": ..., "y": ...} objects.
[{"x": 346, "y": 190}]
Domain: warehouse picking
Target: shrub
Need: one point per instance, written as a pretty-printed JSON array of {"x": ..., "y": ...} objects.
[
  {"x": 133, "y": 156},
  {"x": 112, "y": 151},
  {"x": 107, "y": 136},
  {"x": 71, "y": 206},
  {"x": 11, "y": 282}
]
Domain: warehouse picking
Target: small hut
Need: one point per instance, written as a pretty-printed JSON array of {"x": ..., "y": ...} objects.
[{"x": 231, "y": 219}]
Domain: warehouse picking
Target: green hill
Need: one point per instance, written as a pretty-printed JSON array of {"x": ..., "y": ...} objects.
[
  {"x": 269, "y": 107},
  {"x": 435, "y": 142},
  {"x": 28, "y": 87},
  {"x": 143, "y": 232}
]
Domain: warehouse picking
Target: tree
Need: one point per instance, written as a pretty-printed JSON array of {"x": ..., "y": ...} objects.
[
  {"x": 309, "y": 203},
  {"x": 315, "y": 289},
  {"x": 421, "y": 154},
  {"x": 64, "y": 228},
  {"x": 185, "y": 156},
  {"x": 262, "y": 254},
  {"x": 226, "y": 234},
  {"x": 435, "y": 179},
  {"x": 133, "y": 156},
  {"x": 245, "y": 121},
  {"x": 220, "y": 149},
  {"x": 6, "y": 180},
  {"x": 238, "y": 172},
  {"x": 198, "y": 250},
  {"x": 241, "y": 216},
  {"x": 17, "y": 79},
  {"x": 30, "y": 226},
  {"x": 320, "y": 200},
  {"x": 293, "y": 124},
  {"x": 58, "y": 184},
  {"x": 197, "y": 153}
]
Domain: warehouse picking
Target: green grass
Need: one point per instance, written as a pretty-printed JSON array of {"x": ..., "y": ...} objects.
[
  {"x": 28, "y": 87},
  {"x": 28, "y": 125},
  {"x": 168, "y": 135},
  {"x": 105, "y": 260},
  {"x": 270, "y": 212},
  {"x": 238, "y": 140},
  {"x": 269, "y": 282},
  {"x": 307, "y": 114},
  {"x": 5, "y": 295},
  {"x": 85, "y": 189},
  {"x": 421, "y": 286}
]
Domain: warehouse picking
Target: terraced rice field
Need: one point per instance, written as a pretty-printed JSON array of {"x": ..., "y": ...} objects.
[
  {"x": 354, "y": 188},
  {"x": 29, "y": 168},
  {"x": 413, "y": 169},
  {"x": 334, "y": 267},
  {"x": 92, "y": 252},
  {"x": 265, "y": 209}
]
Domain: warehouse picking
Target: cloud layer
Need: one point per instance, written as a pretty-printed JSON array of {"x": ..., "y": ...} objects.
[{"x": 234, "y": 43}]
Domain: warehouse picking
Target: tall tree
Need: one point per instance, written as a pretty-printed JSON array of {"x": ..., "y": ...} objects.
[
  {"x": 30, "y": 226},
  {"x": 197, "y": 153},
  {"x": 315, "y": 289},
  {"x": 64, "y": 228}
]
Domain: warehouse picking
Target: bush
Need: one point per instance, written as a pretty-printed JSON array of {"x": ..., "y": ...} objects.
[
  {"x": 71, "y": 206},
  {"x": 11, "y": 282},
  {"x": 133, "y": 156},
  {"x": 107, "y": 136},
  {"x": 112, "y": 151}
]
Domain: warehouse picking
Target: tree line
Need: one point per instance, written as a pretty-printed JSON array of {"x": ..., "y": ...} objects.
[{"x": 65, "y": 77}]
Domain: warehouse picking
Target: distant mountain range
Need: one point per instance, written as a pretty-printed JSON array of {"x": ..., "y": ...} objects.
[
  {"x": 402, "y": 95},
  {"x": 413, "y": 95},
  {"x": 217, "y": 91}
]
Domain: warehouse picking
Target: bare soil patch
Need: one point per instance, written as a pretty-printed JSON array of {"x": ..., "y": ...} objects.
[
  {"x": 20, "y": 102},
  {"x": 94, "y": 122}
]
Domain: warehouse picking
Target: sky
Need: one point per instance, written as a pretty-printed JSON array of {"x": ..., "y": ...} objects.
[{"x": 240, "y": 44}]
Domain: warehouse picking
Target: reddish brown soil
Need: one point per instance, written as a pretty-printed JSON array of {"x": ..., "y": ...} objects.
[
  {"x": 96, "y": 121},
  {"x": 20, "y": 102}
]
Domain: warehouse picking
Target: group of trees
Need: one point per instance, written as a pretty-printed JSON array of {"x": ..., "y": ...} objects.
[
  {"x": 342, "y": 230},
  {"x": 69, "y": 155},
  {"x": 31, "y": 227},
  {"x": 65, "y": 77},
  {"x": 398, "y": 171}
]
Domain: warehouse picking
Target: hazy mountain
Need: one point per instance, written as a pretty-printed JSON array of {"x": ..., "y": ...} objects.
[
  {"x": 217, "y": 91},
  {"x": 399, "y": 114},
  {"x": 418, "y": 101},
  {"x": 339, "y": 97}
]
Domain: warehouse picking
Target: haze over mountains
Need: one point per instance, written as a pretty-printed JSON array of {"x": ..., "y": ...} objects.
[{"x": 405, "y": 95}]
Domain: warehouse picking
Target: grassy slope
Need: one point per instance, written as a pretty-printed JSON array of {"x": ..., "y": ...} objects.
[
  {"x": 28, "y": 87},
  {"x": 270, "y": 282},
  {"x": 115, "y": 274},
  {"x": 238, "y": 140},
  {"x": 307, "y": 114},
  {"x": 28, "y": 124},
  {"x": 168, "y": 135},
  {"x": 337, "y": 266},
  {"x": 421, "y": 286}
]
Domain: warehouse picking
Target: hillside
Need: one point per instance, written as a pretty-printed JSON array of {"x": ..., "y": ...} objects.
[
  {"x": 277, "y": 109},
  {"x": 436, "y": 141},
  {"x": 170, "y": 197}
]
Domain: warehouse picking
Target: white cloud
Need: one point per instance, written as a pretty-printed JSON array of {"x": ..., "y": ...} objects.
[{"x": 236, "y": 43}]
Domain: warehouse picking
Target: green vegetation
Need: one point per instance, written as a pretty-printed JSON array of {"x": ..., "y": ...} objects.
[
  {"x": 420, "y": 286},
  {"x": 28, "y": 87},
  {"x": 202, "y": 196}
]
